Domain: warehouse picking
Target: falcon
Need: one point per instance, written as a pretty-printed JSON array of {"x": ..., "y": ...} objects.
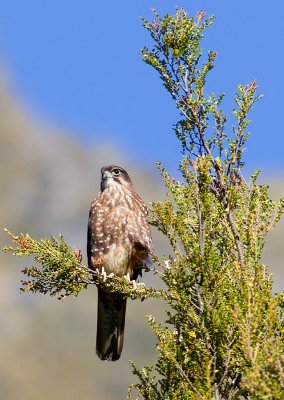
[{"x": 119, "y": 242}]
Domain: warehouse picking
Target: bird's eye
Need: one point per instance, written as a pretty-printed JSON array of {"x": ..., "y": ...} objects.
[{"x": 116, "y": 171}]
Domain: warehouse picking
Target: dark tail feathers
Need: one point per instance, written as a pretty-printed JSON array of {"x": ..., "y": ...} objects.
[{"x": 110, "y": 325}]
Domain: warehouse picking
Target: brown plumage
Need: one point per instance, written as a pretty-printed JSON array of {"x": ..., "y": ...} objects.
[{"x": 119, "y": 240}]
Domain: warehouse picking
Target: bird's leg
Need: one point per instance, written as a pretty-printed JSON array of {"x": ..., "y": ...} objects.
[
  {"x": 133, "y": 281},
  {"x": 127, "y": 276},
  {"x": 135, "y": 284},
  {"x": 103, "y": 272}
]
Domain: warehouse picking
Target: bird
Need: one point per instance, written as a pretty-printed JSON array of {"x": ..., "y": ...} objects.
[{"x": 119, "y": 242}]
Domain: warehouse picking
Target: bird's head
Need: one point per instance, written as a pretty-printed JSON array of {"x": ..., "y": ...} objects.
[{"x": 112, "y": 176}]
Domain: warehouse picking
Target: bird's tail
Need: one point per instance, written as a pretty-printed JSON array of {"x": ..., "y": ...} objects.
[{"x": 110, "y": 325}]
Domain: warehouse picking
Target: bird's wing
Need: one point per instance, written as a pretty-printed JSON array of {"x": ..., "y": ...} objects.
[{"x": 138, "y": 226}]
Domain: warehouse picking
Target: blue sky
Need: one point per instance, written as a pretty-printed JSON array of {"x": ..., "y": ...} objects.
[{"x": 76, "y": 65}]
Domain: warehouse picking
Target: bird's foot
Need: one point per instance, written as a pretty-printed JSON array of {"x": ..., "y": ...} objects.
[
  {"x": 136, "y": 284},
  {"x": 103, "y": 272},
  {"x": 127, "y": 277}
]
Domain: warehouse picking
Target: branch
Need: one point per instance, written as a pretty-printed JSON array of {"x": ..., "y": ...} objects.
[{"x": 62, "y": 273}]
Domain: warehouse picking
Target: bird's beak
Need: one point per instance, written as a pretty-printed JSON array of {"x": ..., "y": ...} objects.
[{"x": 106, "y": 175}]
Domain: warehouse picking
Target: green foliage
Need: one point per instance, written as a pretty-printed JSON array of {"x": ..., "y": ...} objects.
[
  {"x": 223, "y": 335},
  {"x": 60, "y": 271}
]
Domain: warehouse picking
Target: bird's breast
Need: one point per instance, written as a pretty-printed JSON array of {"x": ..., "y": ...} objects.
[{"x": 118, "y": 259}]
